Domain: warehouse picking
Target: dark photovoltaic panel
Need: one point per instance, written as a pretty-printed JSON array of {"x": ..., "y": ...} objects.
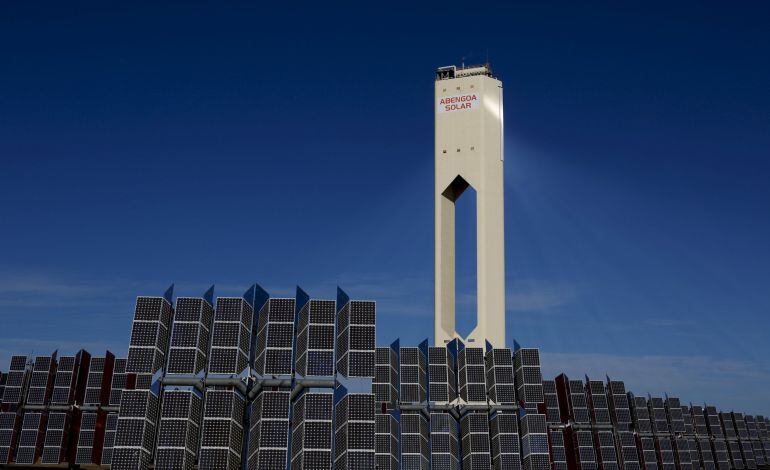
[
  {"x": 674, "y": 415},
  {"x": 445, "y": 444},
  {"x": 705, "y": 453},
  {"x": 311, "y": 444},
  {"x": 99, "y": 380},
  {"x": 315, "y": 338},
  {"x": 110, "y": 429},
  {"x": 41, "y": 382},
  {"x": 699, "y": 421},
  {"x": 551, "y": 402},
  {"x": 606, "y": 449},
  {"x": 471, "y": 375},
  {"x": 135, "y": 434},
  {"x": 442, "y": 376},
  {"x": 682, "y": 453},
  {"x": 190, "y": 336},
  {"x": 231, "y": 336},
  {"x": 597, "y": 403},
  {"x": 647, "y": 452},
  {"x": 15, "y": 383},
  {"x": 689, "y": 425},
  {"x": 386, "y": 443},
  {"x": 658, "y": 415},
  {"x": 527, "y": 376},
  {"x": 269, "y": 433},
  {"x": 535, "y": 453},
  {"x": 640, "y": 414},
  {"x": 32, "y": 435},
  {"x": 119, "y": 381},
  {"x": 415, "y": 453},
  {"x": 355, "y": 338},
  {"x": 628, "y": 457},
  {"x": 572, "y": 393},
  {"x": 86, "y": 437},
  {"x": 620, "y": 409},
  {"x": 413, "y": 375},
  {"x": 558, "y": 450},
  {"x": 385, "y": 382},
  {"x": 149, "y": 339},
  {"x": 354, "y": 432},
  {"x": 501, "y": 387},
  {"x": 721, "y": 454},
  {"x": 179, "y": 431},
  {"x": 726, "y": 420},
  {"x": 665, "y": 450},
  {"x": 56, "y": 437},
  {"x": 582, "y": 446},
  {"x": 713, "y": 423},
  {"x": 275, "y": 338},
  {"x": 475, "y": 446},
  {"x": 65, "y": 381},
  {"x": 222, "y": 435},
  {"x": 736, "y": 459}
]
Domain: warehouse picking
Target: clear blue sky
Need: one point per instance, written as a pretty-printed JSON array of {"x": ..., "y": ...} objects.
[{"x": 203, "y": 143}]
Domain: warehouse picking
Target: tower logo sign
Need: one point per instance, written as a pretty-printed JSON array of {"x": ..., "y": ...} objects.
[{"x": 447, "y": 104}]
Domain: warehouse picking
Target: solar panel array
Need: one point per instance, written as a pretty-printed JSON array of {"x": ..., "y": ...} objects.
[
  {"x": 413, "y": 372},
  {"x": 311, "y": 442},
  {"x": 269, "y": 434},
  {"x": 225, "y": 389},
  {"x": 444, "y": 440},
  {"x": 415, "y": 452}
]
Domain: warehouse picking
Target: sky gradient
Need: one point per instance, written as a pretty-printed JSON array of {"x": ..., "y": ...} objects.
[{"x": 203, "y": 144}]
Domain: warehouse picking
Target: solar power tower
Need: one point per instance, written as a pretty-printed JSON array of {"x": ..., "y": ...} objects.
[
  {"x": 69, "y": 389},
  {"x": 182, "y": 406},
  {"x": 135, "y": 438},
  {"x": 312, "y": 415},
  {"x": 469, "y": 153},
  {"x": 93, "y": 417},
  {"x": 224, "y": 426}
]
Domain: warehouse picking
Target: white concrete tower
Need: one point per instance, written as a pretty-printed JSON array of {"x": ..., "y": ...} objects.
[{"x": 469, "y": 152}]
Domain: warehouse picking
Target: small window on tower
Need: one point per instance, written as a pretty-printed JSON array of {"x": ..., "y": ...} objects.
[
  {"x": 458, "y": 150},
  {"x": 443, "y": 151}
]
